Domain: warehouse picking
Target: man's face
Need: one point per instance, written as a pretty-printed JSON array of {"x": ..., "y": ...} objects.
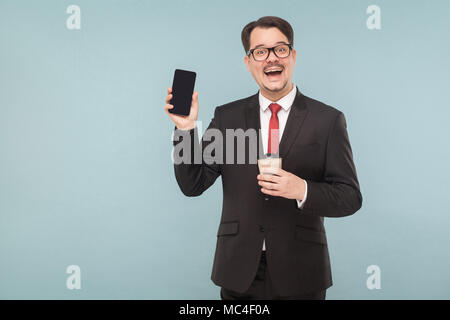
[{"x": 272, "y": 84}]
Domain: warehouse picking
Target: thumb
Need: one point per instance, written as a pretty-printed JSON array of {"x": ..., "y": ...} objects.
[
  {"x": 194, "y": 106},
  {"x": 195, "y": 100}
]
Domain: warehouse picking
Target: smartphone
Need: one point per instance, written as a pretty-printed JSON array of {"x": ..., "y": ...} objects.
[{"x": 182, "y": 90}]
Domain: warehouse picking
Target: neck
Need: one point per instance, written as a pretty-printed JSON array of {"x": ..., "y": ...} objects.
[{"x": 275, "y": 96}]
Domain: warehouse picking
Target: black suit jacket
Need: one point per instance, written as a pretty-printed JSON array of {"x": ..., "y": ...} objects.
[{"x": 314, "y": 146}]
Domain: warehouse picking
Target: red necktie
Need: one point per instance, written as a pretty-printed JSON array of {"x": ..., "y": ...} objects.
[{"x": 272, "y": 146}]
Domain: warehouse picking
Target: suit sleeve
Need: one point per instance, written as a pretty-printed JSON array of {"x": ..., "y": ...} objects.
[
  {"x": 339, "y": 194},
  {"x": 194, "y": 175}
]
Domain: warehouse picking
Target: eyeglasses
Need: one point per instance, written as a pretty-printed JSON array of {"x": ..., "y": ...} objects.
[{"x": 261, "y": 54}]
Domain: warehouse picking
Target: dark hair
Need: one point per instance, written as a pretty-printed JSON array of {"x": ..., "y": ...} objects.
[{"x": 267, "y": 22}]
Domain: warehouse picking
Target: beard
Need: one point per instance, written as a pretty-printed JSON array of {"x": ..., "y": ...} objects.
[{"x": 281, "y": 88}]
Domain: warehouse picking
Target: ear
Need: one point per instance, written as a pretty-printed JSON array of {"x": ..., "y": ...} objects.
[
  {"x": 247, "y": 61},
  {"x": 294, "y": 55}
]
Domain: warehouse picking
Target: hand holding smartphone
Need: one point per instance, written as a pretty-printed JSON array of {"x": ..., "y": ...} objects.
[
  {"x": 182, "y": 90},
  {"x": 182, "y": 101}
]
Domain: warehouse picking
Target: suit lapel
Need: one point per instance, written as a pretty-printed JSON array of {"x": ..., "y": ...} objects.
[
  {"x": 252, "y": 120},
  {"x": 294, "y": 122}
]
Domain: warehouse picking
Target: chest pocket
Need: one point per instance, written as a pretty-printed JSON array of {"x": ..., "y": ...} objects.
[{"x": 228, "y": 228}]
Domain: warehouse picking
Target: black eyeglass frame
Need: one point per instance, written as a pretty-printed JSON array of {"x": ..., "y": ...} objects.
[{"x": 250, "y": 51}]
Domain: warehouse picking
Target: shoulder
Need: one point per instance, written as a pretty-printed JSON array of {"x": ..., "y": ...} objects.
[
  {"x": 237, "y": 105},
  {"x": 324, "y": 113},
  {"x": 316, "y": 106}
]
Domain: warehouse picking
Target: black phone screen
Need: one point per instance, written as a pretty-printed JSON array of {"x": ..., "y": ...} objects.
[{"x": 182, "y": 90}]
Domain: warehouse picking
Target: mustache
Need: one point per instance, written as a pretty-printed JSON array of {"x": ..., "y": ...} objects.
[{"x": 274, "y": 65}]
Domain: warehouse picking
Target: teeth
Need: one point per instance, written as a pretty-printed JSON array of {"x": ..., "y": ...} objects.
[{"x": 274, "y": 70}]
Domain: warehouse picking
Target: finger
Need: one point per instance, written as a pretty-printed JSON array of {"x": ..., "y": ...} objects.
[
  {"x": 169, "y": 90},
  {"x": 168, "y": 98},
  {"x": 268, "y": 185},
  {"x": 271, "y": 192},
  {"x": 167, "y": 107},
  {"x": 269, "y": 177}
]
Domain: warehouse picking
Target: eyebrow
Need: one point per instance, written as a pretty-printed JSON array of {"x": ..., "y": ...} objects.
[{"x": 262, "y": 45}]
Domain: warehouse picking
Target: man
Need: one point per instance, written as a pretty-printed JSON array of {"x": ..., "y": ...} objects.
[{"x": 275, "y": 248}]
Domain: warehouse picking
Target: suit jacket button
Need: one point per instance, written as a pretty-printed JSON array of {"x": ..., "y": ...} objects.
[{"x": 261, "y": 228}]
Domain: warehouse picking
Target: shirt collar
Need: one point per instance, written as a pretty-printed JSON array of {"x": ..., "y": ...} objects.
[{"x": 285, "y": 102}]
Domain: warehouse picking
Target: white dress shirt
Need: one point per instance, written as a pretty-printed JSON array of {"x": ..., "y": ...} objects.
[{"x": 265, "y": 114}]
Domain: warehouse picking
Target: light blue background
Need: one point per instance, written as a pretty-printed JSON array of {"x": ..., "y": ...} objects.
[{"x": 85, "y": 152}]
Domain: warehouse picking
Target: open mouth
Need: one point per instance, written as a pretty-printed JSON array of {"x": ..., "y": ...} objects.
[{"x": 273, "y": 73}]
